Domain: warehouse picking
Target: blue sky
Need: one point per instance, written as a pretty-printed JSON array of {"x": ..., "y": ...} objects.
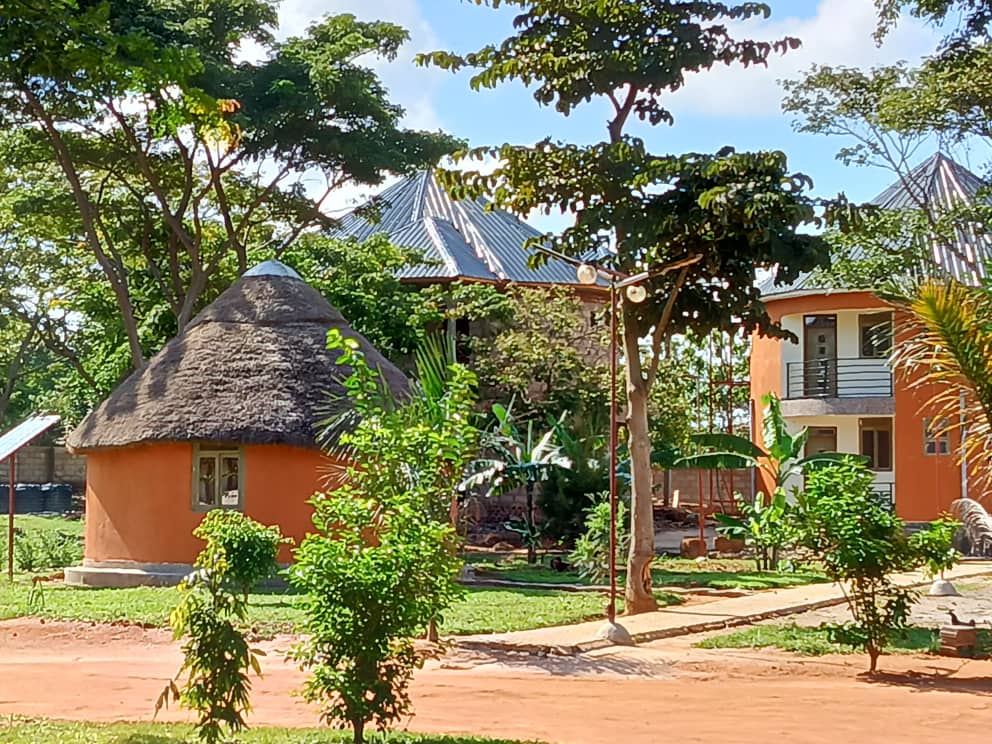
[{"x": 735, "y": 107}]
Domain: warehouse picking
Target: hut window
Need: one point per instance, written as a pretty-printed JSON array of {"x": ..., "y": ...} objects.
[{"x": 218, "y": 479}]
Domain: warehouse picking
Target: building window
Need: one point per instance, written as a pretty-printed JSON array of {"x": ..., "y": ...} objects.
[
  {"x": 876, "y": 442},
  {"x": 218, "y": 479},
  {"x": 936, "y": 438},
  {"x": 876, "y": 335}
]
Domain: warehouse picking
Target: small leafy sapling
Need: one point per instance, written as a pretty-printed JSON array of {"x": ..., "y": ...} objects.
[
  {"x": 209, "y": 618},
  {"x": 592, "y": 549},
  {"x": 375, "y": 574},
  {"x": 863, "y": 545}
]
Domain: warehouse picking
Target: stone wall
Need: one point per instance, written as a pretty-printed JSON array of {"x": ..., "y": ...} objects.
[{"x": 38, "y": 463}]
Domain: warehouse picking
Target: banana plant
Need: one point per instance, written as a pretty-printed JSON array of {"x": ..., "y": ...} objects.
[
  {"x": 519, "y": 459},
  {"x": 765, "y": 524},
  {"x": 782, "y": 457}
]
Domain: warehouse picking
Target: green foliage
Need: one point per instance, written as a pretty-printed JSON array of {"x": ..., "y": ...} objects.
[
  {"x": 862, "y": 544},
  {"x": 517, "y": 459},
  {"x": 376, "y": 573},
  {"x": 213, "y": 604},
  {"x": 782, "y": 458},
  {"x": 658, "y": 210},
  {"x": 134, "y": 133},
  {"x": 549, "y": 355},
  {"x": 767, "y": 528},
  {"x": 592, "y": 550},
  {"x": 380, "y": 566},
  {"x": 46, "y": 549},
  {"x": 250, "y": 548}
]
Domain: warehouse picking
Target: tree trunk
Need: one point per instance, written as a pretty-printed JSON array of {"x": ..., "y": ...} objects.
[
  {"x": 637, "y": 594},
  {"x": 531, "y": 521},
  {"x": 358, "y": 729}
]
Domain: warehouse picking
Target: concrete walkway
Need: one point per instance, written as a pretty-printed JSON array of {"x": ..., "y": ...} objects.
[{"x": 684, "y": 620}]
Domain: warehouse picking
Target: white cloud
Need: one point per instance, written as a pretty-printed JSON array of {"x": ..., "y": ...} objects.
[{"x": 839, "y": 34}]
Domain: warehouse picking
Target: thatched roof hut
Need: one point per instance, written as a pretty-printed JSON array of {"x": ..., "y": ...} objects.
[{"x": 252, "y": 368}]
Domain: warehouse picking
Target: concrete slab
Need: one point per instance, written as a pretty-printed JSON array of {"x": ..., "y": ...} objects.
[{"x": 120, "y": 577}]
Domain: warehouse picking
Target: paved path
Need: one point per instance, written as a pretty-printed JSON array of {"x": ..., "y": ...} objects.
[{"x": 683, "y": 620}]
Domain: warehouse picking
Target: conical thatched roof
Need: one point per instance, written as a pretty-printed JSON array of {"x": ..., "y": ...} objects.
[{"x": 252, "y": 368}]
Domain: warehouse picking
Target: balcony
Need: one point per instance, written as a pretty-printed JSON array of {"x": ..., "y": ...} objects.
[{"x": 838, "y": 378}]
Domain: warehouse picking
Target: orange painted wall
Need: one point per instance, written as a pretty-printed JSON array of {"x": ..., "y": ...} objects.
[
  {"x": 138, "y": 499},
  {"x": 925, "y": 484}
]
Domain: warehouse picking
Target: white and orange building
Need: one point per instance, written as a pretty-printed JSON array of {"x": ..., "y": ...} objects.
[{"x": 835, "y": 378}]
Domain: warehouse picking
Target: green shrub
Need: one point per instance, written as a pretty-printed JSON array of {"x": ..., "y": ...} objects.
[
  {"x": 212, "y": 609},
  {"x": 375, "y": 576},
  {"x": 251, "y": 548},
  {"x": 862, "y": 544},
  {"x": 592, "y": 550}
]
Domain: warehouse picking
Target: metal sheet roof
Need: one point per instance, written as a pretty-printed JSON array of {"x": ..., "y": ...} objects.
[
  {"x": 942, "y": 184},
  {"x": 24, "y": 432},
  {"x": 461, "y": 239}
]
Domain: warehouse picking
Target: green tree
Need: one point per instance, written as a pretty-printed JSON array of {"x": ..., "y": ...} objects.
[
  {"x": 381, "y": 564},
  {"x": 547, "y": 354},
  {"x": 701, "y": 224},
  {"x": 172, "y": 156},
  {"x": 210, "y": 618},
  {"x": 862, "y": 544},
  {"x": 945, "y": 353}
]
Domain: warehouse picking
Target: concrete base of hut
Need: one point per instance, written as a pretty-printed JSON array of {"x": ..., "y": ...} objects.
[{"x": 123, "y": 574}]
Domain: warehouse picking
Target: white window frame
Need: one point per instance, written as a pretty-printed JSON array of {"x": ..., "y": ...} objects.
[
  {"x": 201, "y": 451},
  {"x": 938, "y": 441}
]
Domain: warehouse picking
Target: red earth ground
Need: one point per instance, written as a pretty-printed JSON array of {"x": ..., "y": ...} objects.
[{"x": 666, "y": 691}]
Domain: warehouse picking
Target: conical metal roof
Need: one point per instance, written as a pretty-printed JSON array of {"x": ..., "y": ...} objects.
[
  {"x": 941, "y": 184},
  {"x": 461, "y": 239}
]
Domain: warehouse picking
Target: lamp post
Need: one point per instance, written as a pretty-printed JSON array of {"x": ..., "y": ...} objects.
[{"x": 632, "y": 285}]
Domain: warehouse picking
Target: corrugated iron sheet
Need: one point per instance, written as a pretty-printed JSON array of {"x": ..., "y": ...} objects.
[
  {"x": 24, "y": 432},
  {"x": 945, "y": 185},
  {"x": 460, "y": 239}
]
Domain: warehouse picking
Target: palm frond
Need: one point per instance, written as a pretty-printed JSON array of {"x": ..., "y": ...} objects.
[{"x": 944, "y": 354}]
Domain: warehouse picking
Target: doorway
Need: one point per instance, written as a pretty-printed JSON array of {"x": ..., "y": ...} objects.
[{"x": 820, "y": 356}]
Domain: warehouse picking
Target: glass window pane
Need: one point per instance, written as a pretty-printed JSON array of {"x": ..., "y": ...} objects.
[
  {"x": 868, "y": 446},
  {"x": 884, "y": 450},
  {"x": 207, "y": 486},
  {"x": 229, "y": 480}
]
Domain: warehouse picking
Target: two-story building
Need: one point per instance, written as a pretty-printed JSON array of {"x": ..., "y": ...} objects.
[{"x": 836, "y": 379}]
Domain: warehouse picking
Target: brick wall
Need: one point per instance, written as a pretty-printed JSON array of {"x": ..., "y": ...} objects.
[{"x": 40, "y": 463}]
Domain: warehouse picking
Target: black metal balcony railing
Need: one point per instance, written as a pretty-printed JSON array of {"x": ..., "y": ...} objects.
[
  {"x": 885, "y": 493},
  {"x": 839, "y": 378}
]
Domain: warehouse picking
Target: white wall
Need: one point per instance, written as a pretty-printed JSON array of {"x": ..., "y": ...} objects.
[{"x": 848, "y": 440}]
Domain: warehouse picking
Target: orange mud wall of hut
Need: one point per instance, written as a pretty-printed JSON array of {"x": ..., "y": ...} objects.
[{"x": 139, "y": 499}]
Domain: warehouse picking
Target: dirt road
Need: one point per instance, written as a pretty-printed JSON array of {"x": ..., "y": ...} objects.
[{"x": 663, "y": 692}]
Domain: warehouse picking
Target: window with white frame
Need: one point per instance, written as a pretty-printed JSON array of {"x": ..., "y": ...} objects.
[
  {"x": 936, "y": 438},
  {"x": 218, "y": 479}
]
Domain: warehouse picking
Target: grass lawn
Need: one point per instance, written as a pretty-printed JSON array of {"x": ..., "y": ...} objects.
[
  {"x": 34, "y": 523},
  {"x": 482, "y": 610},
  {"x": 808, "y": 641},
  {"x": 34, "y": 731},
  {"x": 667, "y": 572}
]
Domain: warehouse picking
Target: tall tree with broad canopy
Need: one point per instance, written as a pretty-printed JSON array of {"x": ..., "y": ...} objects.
[
  {"x": 720, "y": 217},
  {"x": 176, "y": 155}
]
